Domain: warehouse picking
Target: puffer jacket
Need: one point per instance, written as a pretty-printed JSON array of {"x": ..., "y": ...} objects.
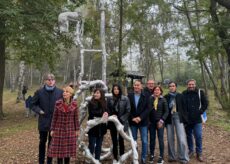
[{"x": 161, "y": 112}]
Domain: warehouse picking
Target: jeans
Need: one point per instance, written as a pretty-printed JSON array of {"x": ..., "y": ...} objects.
[
  {"x": 181, "y": 139},
  {"x": 42, "y": 147},
  {"x": 95, "y": 144},
  {"x": 115, "y": 139},
  {"x": 196, "y": 130},
  {"x": 144, "y": 139},
  {"x": 160, "y": 134}
]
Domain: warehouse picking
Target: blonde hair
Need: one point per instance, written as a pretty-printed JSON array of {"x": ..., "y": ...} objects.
[{"x": 69, "y": 89}]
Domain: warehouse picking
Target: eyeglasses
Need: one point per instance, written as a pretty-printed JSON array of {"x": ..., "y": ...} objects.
[{"x": 172, "y": 86}]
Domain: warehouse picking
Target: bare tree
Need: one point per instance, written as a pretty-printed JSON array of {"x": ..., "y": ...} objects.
[{"x": 21, "y": 80}]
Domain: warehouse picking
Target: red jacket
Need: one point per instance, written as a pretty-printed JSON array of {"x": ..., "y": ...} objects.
[{"x": 65, "y": 123}]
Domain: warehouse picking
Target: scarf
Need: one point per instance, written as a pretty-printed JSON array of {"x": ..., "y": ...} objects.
[
  {"x": 172, "y": 96},
  {"x": 155, "y": 103},
  {"x": 48, "y": 88}
]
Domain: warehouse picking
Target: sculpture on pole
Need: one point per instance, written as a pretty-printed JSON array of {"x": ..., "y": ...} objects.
[{"x": 64, "y": 19}]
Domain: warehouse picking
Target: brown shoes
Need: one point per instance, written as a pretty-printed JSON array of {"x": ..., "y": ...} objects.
[{"x": 200, "y": 158}]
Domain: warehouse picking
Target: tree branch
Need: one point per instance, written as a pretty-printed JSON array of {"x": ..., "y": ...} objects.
[{"x": 224, "y": 3}]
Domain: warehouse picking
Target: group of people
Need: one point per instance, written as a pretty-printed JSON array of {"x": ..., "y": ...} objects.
[{"x": 145, "y": 110}]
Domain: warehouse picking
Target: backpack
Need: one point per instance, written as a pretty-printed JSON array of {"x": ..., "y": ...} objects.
[{"x": 28, "y": 102}]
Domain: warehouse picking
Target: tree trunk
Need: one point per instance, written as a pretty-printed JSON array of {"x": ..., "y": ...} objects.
[
  {"x": 223, "y": 34},
  {"x": 74, "y": 75},
  {"x": 161, "y": 65},
  {"x": 214, "y": 85},
  {"x": 203, "y": 78},
  {"x": 66, "y": 72},
  {"x": 12, "y": 81},
  {"x": 102, "y": 34},
  {"x": 2, "y": 65},
  {"x": 178, "y": 63},
  {"x": 141, "y": 49},
  {"x": 120, "y": 40},
  {"x": 31, "y": 75},
  {"x": 21, "y": 80},
  {"x": 224, "y": 91}
]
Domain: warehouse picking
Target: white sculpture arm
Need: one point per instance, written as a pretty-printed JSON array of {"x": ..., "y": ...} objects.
[{"x": 65, "y": 17}]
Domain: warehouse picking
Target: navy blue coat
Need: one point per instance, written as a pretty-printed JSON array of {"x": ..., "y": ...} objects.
[
  {"x": 45, "y": 100},
  {"x": 141, "y": 111}
]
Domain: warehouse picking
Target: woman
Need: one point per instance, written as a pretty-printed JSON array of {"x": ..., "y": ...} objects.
[
  {"x": 175, "y": 124},
  {"x": 118, "y": 106},
  {"x": 64, "y": 128},
  {"x": 97, "y": 108},
  {"x": 159, "y": 113}
]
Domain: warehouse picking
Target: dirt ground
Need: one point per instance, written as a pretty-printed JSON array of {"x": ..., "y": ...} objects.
[{"x": 22, "y": 147}]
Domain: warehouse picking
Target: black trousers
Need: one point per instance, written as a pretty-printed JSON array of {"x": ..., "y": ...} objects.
[
  {"x": 60, "y": 160},
  {"x": 42, "y": 147},
  {"x": 115, "y": 140}
]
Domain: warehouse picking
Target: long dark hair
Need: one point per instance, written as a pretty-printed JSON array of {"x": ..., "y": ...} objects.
[
  {"x": 119, "y": 88},
  {"x": 102, "y": 100}
]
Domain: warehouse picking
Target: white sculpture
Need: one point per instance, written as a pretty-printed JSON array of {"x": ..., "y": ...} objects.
[{"x": 64, "y": 19}]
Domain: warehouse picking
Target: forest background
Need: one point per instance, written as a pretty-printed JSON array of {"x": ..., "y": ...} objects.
[{"x": 162, "y": 39}]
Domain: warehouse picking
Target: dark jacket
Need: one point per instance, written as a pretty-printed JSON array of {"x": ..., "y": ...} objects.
[
  {"x": 141, "y": 111},
  {"x": 180, "y": 107},
  {"x": 95, "y": 110},
  {"x": 192, "y": 103},
  {"x": 121, "y": 109},
  {"x": 161, "y": 112},
  {"x": 45, "y": 100},
  {"x": 147, "y": 92}
]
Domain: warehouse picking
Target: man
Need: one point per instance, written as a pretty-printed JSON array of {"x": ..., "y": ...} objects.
[
  {"x": 139, "y": 117},
  {"x": 196, "y": 105},
  {"x": 24, "y": 91},
  {"x": 43, "y": 103},
  {"x": 148, "y": 90},
  {"x": 176, "y": 119}
]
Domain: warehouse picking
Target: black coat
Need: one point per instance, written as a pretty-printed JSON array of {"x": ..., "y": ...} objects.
[
  {"x": 121, "y": 109},
  {"x": 161, "y": 112},
  {"x": 141, "y": 111},
  {"x": 147, "y": 92},
  {"x": 192, "y": 103},
  {"x": 180, "y": 107},
  {"x": 45, "y": 100},
  {"x": 95, "y": 110}
]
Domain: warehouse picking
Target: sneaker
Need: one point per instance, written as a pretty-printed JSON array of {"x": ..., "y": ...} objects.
[
  {"x": 160, "y": 160},
  {"x": 151, "y": 159},
  {"x": 200, "y": 158},
  {"x": 115, "y": 161}
]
